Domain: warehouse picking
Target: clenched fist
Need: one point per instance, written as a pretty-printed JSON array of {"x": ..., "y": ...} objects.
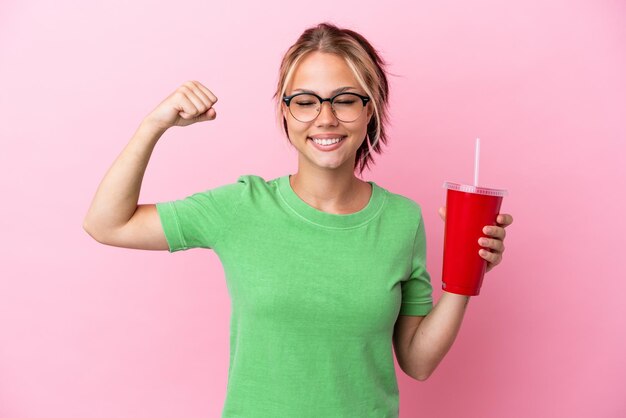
[{"x": 188, "y": 104}]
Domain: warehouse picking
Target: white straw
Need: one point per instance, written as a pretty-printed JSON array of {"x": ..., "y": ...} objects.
[{"x": 476, "y": 161}]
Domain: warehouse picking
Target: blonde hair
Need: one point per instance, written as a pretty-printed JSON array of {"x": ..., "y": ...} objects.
[{"x": 365, "y": 63}]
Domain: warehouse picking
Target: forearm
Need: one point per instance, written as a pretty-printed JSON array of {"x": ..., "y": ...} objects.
[
  {"x": 117, "y": 195},
  {"x": 436, "y": 333}
]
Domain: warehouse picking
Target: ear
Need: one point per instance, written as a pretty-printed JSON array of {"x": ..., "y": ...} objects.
[
  {"x": 370, "y": 112},
  {"x": 283, "y": 108}
]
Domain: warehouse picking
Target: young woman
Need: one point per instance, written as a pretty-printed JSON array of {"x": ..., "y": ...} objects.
[{"x": 326, "y": 272}]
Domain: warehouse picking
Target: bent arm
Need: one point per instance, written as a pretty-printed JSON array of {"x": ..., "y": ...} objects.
[
  {"x": 435, "y": 334},
  {"x": 116, "y": 198}
]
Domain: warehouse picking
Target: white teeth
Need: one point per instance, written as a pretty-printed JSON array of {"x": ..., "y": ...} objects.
[{"x": 326, "y": 141}]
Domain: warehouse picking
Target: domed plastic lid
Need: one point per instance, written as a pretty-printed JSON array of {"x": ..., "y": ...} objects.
[{"x": 474, "y": 189}]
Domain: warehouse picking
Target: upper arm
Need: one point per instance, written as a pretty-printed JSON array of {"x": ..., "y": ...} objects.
[
  {"x": 199, "y": 220},
  {"x": 143, "y": 231},
  {"x": 403, "y": 333}
]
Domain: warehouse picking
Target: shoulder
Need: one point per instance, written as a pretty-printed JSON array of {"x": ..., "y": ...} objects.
[
  {"x": 255, "y": 182},
  {"x": 231, "y": 193},
  {"x": 401, "y": 204},
  {"x": 250, "y": 179},
  {"x": 257, "y": 188}
]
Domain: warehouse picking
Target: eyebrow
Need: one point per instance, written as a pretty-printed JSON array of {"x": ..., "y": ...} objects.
[{"x": 339, "y": 90}]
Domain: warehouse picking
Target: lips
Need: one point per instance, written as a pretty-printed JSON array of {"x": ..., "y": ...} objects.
[
  {"x": 328, "y": 147},
  {"x": 327, "y": 136}
]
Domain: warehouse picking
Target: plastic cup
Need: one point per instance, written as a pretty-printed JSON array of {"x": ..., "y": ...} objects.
[{"x": 468, "y": 210}]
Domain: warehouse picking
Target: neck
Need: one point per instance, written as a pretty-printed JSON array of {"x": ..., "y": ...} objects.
[{"x": 331, "y": 191}]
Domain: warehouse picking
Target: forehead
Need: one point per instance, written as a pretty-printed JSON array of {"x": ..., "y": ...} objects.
[{"x": 322, "y": 73}]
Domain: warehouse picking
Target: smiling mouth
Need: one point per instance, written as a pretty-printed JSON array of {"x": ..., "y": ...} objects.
[{"x": 327, "y": 142}]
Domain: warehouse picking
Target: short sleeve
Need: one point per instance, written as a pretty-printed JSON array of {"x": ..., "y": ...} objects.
[
  {"x": 417, "y": 291},
  {"x": 201, "y": 219}
]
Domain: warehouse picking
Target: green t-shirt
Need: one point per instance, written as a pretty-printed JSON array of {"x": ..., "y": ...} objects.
[{"x": 314, "y": 295}]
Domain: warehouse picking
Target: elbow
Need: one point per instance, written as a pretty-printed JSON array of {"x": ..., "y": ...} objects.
[
  {"x": 417, "y": 374},
  {"x": 87, "y": 229},
  {"x": 86, "y": 226},
  {"x": 91, "y": 233},
  {"x": 421, "y": 377},
  {"x": 415, "y": 368}
]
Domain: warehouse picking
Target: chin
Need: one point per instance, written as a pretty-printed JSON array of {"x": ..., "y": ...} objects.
[{"x": 330, "y": 164}]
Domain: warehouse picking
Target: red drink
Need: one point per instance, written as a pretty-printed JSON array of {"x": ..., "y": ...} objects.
[{"x": 468, "y": 210}]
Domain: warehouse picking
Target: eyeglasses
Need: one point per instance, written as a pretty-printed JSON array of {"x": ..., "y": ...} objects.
[{"x": 305, "y": 107}]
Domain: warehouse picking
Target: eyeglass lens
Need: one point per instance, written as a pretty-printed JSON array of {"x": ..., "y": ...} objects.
[{"x": 305, "y": 107}]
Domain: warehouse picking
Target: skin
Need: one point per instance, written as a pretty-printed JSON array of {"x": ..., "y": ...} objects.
[
  {"x": 421, "y": 342},
  {"x": 326, "y": 181}
]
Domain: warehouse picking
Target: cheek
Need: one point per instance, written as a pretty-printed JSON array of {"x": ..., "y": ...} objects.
[
  {"x": 289, "y": 122},
  {"x": 294, "y": 127},
  {"x": 295, "y": 132}
]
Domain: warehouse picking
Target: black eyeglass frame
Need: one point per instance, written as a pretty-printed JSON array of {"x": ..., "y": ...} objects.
[{"x": 287, "y": 100}]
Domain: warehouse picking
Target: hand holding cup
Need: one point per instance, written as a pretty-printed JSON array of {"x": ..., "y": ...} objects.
[{"x": 493, "y": 247}]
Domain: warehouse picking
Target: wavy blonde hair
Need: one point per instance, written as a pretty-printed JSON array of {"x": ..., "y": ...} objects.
[{"x": 367, "y": 66}]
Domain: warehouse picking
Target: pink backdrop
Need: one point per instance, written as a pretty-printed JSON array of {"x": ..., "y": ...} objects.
[{"x": 88, "y": 330}]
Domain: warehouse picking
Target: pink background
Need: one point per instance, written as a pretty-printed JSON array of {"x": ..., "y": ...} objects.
[{"x": 88, "y": 330}]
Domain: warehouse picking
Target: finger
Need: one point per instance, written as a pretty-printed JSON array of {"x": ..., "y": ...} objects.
[
  {"x": 208, "y": 92},
  {"x": 191, "y": 95},
  {"x": 186, "y": 108},
  {"x": 494, "y": 244},
  {"x": 504, "y": 219},
  {"x": 493, "y": 258},
  {"x": 442, "y": 212},
  {"x": 495, "y": 231},
  {"x": 208, "y": 115},
  {"x": 193, "y": 86}
]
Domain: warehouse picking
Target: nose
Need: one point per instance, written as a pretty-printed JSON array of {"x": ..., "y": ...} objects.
[{"x": 326, "y": 115}]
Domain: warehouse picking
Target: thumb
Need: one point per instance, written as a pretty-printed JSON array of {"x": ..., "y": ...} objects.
[
  {"x": 442, "y": 213},
  {"x": 208, "y": 115}
]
